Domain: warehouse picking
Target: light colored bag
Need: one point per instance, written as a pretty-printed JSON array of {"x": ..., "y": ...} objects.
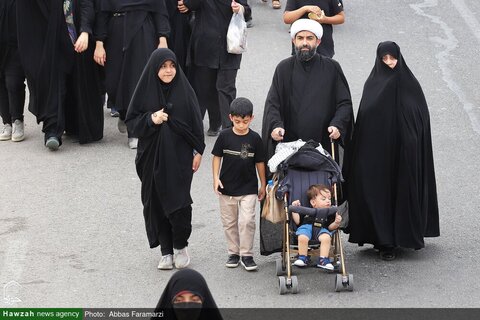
[
  {"x": 273, "y": 209},
  {"x": 237, "y": 34}
]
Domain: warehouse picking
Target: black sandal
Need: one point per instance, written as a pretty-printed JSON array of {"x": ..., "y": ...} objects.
[{"x": 387, "y": 254}]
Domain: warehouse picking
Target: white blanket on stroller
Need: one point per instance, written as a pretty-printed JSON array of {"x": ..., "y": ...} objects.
[{"x": 285, "y": 150}]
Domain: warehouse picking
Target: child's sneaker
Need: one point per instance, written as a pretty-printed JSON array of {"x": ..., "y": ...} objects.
[
  {"x": 233, "y": 261},
  {"x": 248, "y": 263},
  {"x": 324, "y": 263},
  {"x": 302, "y": 261}
]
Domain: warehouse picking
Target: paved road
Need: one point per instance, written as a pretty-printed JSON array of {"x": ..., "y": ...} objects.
[{"x": 71, "y": 225}]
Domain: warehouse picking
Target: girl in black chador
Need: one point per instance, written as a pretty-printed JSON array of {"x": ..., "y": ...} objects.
[
  {"x": 391, "y": 179},
  {"x": 165, "y": 116}
]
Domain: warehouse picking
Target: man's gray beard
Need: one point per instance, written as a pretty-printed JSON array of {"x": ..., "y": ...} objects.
[{"x": 305, "y": 55}]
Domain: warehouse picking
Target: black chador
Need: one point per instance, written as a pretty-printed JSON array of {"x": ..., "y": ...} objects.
[
  {"x": 165, "y": 151},
  {"x": 187, "y": 281},
  {"x": 130, "y": 30},
  {"x": 391, "y": 179},
  {"x": 64, "y": 85},
  {"x": 180, "y": 24}
]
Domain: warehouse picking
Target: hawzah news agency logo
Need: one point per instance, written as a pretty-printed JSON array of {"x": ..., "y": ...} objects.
[{"x": 10, "y": 291}]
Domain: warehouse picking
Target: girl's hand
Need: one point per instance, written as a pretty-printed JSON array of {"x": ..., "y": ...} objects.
[{"x": 159, "y": 117}]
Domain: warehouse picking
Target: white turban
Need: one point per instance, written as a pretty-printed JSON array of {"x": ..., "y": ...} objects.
[{"x": 306, "y": 25}]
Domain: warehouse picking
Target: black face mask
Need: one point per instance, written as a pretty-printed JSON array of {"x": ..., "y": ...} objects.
[
  {"x": 187, "y": 310},
  {"x": 305, "y": 55}
]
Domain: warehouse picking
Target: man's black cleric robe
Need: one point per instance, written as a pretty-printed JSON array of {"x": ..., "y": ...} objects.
[
  {"x": 47, "y": 53},
  {"x": 305, "y": 98}
]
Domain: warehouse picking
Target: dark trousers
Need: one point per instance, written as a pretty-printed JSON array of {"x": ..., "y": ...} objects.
[
  {"x": 215, "y": 89},
  {"x": 175, "y": 230},
  {"x": 54, "y": 122},
  {"x": 12, "y": 88}
]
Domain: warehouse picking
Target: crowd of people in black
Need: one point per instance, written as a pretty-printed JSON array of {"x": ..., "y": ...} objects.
[{"x": 150, "y": 58}]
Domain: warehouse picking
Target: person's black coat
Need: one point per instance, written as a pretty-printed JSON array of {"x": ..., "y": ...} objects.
[
  {"x": 46, "y": 51},
  {"x": 209, "y": 36},
  {"x": 128, "y": 40}
]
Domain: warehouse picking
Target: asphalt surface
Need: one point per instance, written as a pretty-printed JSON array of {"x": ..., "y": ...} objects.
[{"x": 71, "y": 225}]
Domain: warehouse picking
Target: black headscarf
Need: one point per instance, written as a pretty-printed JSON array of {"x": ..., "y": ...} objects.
[
  {"x": 165, "y": 151},
  {"x": 390, "y": 176},
  {"x": 192, "y": 281}
]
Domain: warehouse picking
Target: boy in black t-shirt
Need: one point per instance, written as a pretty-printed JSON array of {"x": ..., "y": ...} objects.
[{"x": 241, "y": 150}]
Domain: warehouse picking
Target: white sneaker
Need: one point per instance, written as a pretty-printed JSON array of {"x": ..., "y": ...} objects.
[
  {"x": 18, "y": 131},
  {"x": 166, "y": 262},
  {"x": 133, "y": 143},
  {"x": 181, "y": 257},
  {"x": 6, "y": 132},
  {"x": 122, "y": 127}
]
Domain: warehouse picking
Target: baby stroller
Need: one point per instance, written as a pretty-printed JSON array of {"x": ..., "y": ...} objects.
[{"x": 309, "y": 165}]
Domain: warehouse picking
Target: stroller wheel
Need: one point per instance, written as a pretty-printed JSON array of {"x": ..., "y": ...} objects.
[
  {"x": 350, "y": 282},
  {"x": 279, "y": 267},
  {"x": 343, "y": 283},
  {"x": 282, "y": 283},
  {"x": 294, "y": 284}
]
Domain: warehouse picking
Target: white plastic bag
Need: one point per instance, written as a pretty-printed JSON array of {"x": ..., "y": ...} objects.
[{"x": 237, "y": 34}]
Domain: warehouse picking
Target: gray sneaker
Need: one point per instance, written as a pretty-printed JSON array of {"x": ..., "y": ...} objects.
[
  {"x": 52, "y": 143},
  {"x": 181, "y": 258},
  {"x": 122, "y": 127},
  {"x": 6, "y": 132},
  {"x": 18, "y": 131},
  {"x": 166, "y": 262},
  {"x": 132, "y": 143}
]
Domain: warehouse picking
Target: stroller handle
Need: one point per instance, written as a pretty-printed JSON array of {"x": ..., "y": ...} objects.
[{"x": 319, "y": 213}]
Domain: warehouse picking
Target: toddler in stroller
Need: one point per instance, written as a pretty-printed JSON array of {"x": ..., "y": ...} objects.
[
  {"x": 305, "y": 176},
  {"x": 319, "y": 196}
]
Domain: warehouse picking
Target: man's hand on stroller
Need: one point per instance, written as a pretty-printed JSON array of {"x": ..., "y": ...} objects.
[
  {"x": 217, "y": 184},
  {"x": 334, "y": 132},
  {"x": 277, "y": 134},
  {"x": 335, "y": 224}
]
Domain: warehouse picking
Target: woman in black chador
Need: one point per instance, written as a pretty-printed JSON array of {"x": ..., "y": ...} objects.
[
  {"x": 391, "y": 178},
  {"x": 53, "y": 44},
  {"x": 127, "y": 32},
  {"x": 165, "y": 116},
  {"x": 187, "y": 296}
]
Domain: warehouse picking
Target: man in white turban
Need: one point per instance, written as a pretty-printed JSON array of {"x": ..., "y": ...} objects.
[
  {"x": 306, "y": 37},
  {"x": 309, "y": 99}
]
